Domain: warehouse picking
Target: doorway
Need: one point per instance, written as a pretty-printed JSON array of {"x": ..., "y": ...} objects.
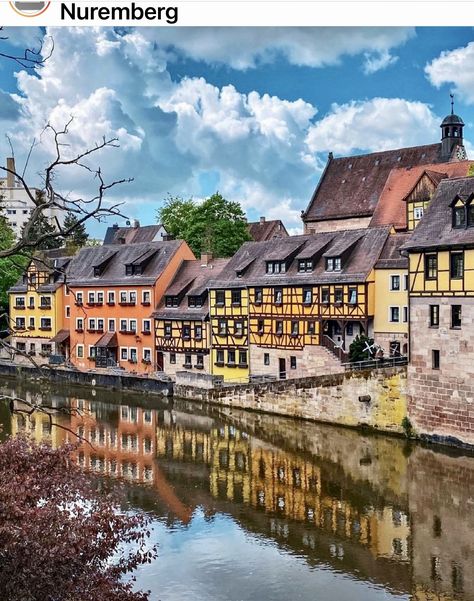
[{"x": 159, "y": 361}]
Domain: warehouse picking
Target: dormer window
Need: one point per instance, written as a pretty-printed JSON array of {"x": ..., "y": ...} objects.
[
  {"x": 276, "y": 267},
  {"x": 333, "y": 264},
  {"x": 459, "y": 215},
  {"x": 305, "y": 265},
  {"x": 131, "y": 269},
  {"x": 194, "y": 301},
  {"x": 171, "y": 301}
]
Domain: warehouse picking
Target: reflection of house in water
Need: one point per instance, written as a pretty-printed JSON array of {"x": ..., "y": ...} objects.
[
  {"x": 281, "y": 483},
  {"x": 39, "y": 425},
  {"x": 441, "y": 502}
]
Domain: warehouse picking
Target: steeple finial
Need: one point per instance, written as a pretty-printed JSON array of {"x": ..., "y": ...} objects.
[{"x": 452, "y": 104}]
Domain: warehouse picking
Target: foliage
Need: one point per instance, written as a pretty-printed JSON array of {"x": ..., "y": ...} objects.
[
  {"x": 11, "y": 268},
  {"x": 407, "y": 427},
  {"x": 59, "y": 538},
  {"x": 357, "y": 349},
  {"x": 42, "y": 226},
  {"x": 216, "y": 225},
  {"x": 79, "y": 236}
]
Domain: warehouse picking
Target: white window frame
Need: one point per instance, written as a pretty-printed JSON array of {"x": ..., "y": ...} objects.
[
  {"x": 143, "y": 353},
  {"x": 123, "y": 321},
  {"x": 103, "y": 323},
  {"x": 143, "y": 325},
  {"x": 143, "y": 296},
  {"x": 31, "y": 322},
  {"x": 130, "y": 329},
  {"x": 91, "y": 346},
  {"x": 109, "y": 321},
  {"x": 406, "y": 281},
  {"x": 130, "y": 292},
  {"x": 417, "y": 210},
  {"x": 405, "y": 314},
  {"x": 46, "y": 319},
  {"x": 91, "y": 295},
  {"x": 395, "y": 275},
  {"x": 125, "y": 292},
  {"x": 122, "y": 349},
  {"x": 390, "y": 314},
  {"x": 97, "y": 296},
  {"x": 79, "y": 293},
  {"x": 132, "y": 350},
  {"x": 109, "y": 294},
  {"x": 67, "y": 311},
  {"x": 17, "y": 304},
  {"x": 19, "y": 319},
  {"x": 80, "y": 347},
  {"x": 77, "y": 323},
  {"x": 91, "y": 323}
]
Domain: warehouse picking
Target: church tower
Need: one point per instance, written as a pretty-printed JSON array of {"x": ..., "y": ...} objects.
[{"x": 452, "y": 137}]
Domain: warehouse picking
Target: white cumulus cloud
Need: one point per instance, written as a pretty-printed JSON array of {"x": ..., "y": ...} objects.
[{"x": 455, "y": 67}]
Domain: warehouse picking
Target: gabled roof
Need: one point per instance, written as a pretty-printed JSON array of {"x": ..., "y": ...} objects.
[
  {"x": 81, "y": 269},
  {"x": 351, "y": 186},
  {"x": 367, "y": 247},
  {"x": 266, "y": 230},
  {"x": 191, "y": 279},
  {"x": 50, "y": 262},
  {"x": 435, "y": 230},
  {"x": 391, "y": 209},
  {"x": 132, "y": 235}
]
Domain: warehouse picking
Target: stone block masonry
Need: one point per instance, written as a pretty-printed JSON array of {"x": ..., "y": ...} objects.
[{"x": 372, "y": 398}]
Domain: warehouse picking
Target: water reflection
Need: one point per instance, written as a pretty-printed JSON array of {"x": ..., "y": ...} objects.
[{"x": 398, "y": 520}]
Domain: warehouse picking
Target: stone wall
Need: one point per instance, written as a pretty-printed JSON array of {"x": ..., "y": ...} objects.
[
  {"x": 312, "y": 360},
  {"x": 170, "y": 369},
  {"x": 374, "y": 398},
  {"x": 335, "y": 225},
  {"x": 441, "y": 401}
]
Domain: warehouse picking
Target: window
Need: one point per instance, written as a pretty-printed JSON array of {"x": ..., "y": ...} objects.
[
  {"x": 132, "y": 326},
  {"x": 350, "y": 329},
  {"x": 31, "y": 324},
  {"x": 91, "y": 298},
  {"x": 79, "y": 324},
  {"x": 92, "y": 352},
  {"x": 220, "y": 357},
  {"x": 395, "y": 282},
  {"x": 195, "y": 301},
  {"x": 168, "y": 329},
  {"x": 470, "y": 214},
  {"x": 279, "y": 328},
  {"x": 133, "y": 297},
  {"x": 31, "y": 302},
  {"x": 435, "y": 359},
  {"x": 173, "y": 358},
  {"x": 295, "y": 328},
  {"x": 456, "y": 311},
  {"x": 431, "y": 267},
  {"x": 45, "y": 323},
  {"x": 231, "y": 357},
  {"x": 352, "y": 296},
  {"x": 21, "y": 346},
  {"x": 46, "y": 349},
  {"x": 220, "y": 298},
  {"x": 133, "y": 355},
  {"x": 405, "y": 314},
  {"x": 457, "y": 265},
  {"x": 325, "y": 296},
  {"x": 146, "y": 297},
  {"x": 459, "y": 215},
  {"x": 68, "y": 311},
  {"x": 258, "y": 296},
  {"x": 276, "y": 267},
  {"x": 97, "y": 272},
  {"x": 434, "y": 316},
  {"x": 123, "y": 325},
  {"x": 20, "y": 323},
  {"x": 266, "y": 358},
  {"x": 111, "y": 297},
  {"x": 305, "y": 265},
  {"x": 292, "y": 362},
  {"x": 147, "y": 355},
  {"x": 338, "y": 295},
  {"x": 405, "y": 282},
  {"x": 124, "y": 353},
  {"x": 260, "y": 326},
  {"x": 278, "y": 296},
  {"x": 123, "y": 297},
  {"x": 100, "y": 298},
  {"x": 80, "y": 351},
  {"x": 307, "y": 296},
  {"x": 198, "y": 331},
  {"x": 20, "y": 302},
  {"x": 418, "y": 212},
  {"x": 45, "y": 302},
  {"x": 239, "y": 328},
  {"x": 111, "y": 325},
  {"x": 222, "y": 327},
  {"x": 146, "y": 326},
  {"x": 243, "y": 358},
  {"x": 236, "y": 297},
  {"x": 91, "y": 324},
  {"x": 394, "y": 314},
  {"x": 100, "y": 325},
  {"x": 333, "y": 264},
  {"x": 186, "y": 332},
  {"x": 311, "y": 328}
]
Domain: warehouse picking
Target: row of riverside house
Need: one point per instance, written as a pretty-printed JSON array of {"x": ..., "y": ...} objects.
[{"x": 387, "y": 250}]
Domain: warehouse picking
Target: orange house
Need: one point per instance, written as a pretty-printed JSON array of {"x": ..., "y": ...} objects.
[{"x": 113, "y": 291}]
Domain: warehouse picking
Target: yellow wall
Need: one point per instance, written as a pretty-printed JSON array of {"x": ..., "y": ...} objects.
[
  {"x": 386, "y": 298},
  {"x": 411, "y": 206},
  {"x": 420, "y": 286}
]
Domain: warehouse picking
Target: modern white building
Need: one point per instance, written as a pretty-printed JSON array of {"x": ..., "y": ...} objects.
[{"x": 16, "y": 203}]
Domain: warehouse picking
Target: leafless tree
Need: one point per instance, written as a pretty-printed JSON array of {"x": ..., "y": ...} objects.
[{"x": 29, "y": 58}]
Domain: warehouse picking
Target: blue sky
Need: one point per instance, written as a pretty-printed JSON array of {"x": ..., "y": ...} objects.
[{"x": 251, "y": 112}]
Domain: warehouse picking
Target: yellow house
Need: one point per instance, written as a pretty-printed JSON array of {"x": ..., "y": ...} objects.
[
  {"x": 391, "y": 298},
  {"x": 37, "y": 308}
]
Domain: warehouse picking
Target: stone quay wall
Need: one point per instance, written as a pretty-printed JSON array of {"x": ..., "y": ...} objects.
[{"x": 370, "y": 398}]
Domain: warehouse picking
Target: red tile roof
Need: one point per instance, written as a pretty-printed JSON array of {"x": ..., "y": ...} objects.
[
  {"x": 391, "y": 208},
  {"x": 266, "y": 230},
  {"x": 351, "y": 186}
]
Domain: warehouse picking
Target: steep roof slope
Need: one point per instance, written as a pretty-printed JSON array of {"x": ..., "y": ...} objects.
[{"x": 266, "y": 230}]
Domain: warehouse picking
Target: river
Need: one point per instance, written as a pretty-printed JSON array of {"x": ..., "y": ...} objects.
[{"x": 251, "y": 507}]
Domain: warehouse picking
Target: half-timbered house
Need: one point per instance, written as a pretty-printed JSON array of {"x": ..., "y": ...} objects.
[
  {"x": 441, "y": 300},
  {"x": 291, "y": 307},
  {"x": 182, "y": 319}
]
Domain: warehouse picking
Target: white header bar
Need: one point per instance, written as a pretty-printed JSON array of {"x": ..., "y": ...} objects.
[{"x": 237, "y": 13}]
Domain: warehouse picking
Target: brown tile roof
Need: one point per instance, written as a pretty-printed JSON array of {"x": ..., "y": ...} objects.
[
  {"x": 131, "y": 235},
  {"x": 266, "y": 230},
  {"x": 435, "y": 229},
  {"x": 351, "y": 186},
  {"x": 191, "y": 279},
  {"x": 61, "y": 336},
  {"x": 391, "y": 257},
  {"x": 52, "y": 262},
  {"x": 391, "y": 208},
  {"x": 80, "y": 271},
  {"x": 108, "y": 340},
  {"x": 356, "y": 267}
]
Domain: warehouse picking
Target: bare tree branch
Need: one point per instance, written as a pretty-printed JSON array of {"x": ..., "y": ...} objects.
[{"x": 31, "y": 58}]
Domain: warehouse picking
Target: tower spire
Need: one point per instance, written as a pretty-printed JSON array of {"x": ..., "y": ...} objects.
[{"x": 452, "y": 103}]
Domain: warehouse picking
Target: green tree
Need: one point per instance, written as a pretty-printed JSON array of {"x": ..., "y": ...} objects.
[
  {"x": 217, "y": 225},
  {"x": 358, "y": 348},
  {"x": 79, "y": 236},
  {"x": 12, "y": 267},
  {"x": 40, "y": 227}
]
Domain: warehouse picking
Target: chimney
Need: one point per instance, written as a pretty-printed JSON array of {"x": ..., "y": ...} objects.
[
  {"x": 10, "y": 176},
  {"x": 206, "y": 258},
  {"x": 135, "y": 223},
  {"x": 115, "y": 226},
  {"x": 262, "y": 220}
]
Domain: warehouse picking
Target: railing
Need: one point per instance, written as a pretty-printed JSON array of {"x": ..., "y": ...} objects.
[
  {"x": 375, "y": 363},
  {"x": 332, "y": 346}
]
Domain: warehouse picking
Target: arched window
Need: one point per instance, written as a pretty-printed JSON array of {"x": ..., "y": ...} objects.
[
  {"x": 446, "y": 132},
  {"x": 455, "y": 132}
]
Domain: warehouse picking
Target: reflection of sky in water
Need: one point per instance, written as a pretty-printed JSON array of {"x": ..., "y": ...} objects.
[{"x": 216, "y": 560}]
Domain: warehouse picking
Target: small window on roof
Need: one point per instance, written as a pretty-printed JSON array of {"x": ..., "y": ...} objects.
[
  {"x": 459, "y": 214},
  {"x": 399, "y": 159},
  {"x": 377, "y": 162},
  {"x": 333, "y": 264},
  {"x": 350, "y": 166}
]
